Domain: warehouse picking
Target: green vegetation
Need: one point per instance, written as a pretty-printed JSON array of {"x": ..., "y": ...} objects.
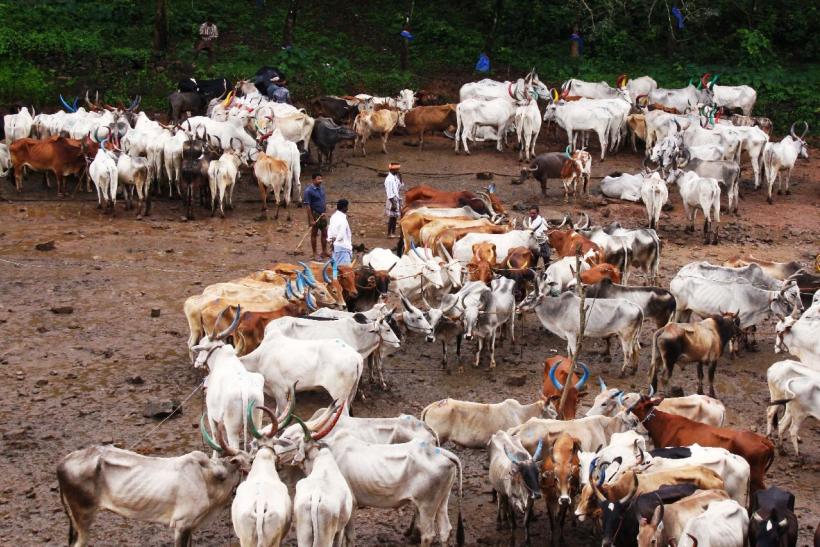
[{"x": 49, "y": 47}]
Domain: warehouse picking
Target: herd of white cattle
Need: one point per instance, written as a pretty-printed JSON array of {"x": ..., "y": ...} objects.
[{"x": 348, "y": 462}]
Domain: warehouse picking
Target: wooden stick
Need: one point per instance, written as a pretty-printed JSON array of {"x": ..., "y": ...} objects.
[
  {"x": 312, "y": 224},
  {"x": 568, "y": 383}
]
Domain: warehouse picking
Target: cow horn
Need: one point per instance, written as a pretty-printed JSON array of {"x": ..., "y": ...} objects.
[
  {"x": 232, "y": 326},
  {"x": 631, "y": 494},
  {"x": 255, "y": 432},
  {"x": 595, "y": 490},
  {"x": 227, "y": 100},
  {"x": 309, "y": 301},
  {"x": 806, "y": 130},
  {"x": 553, "y": 379},
  {"x": 586, "y": 224},
  {"x": 568, "y": 151},
  {"x": 694, "y": 540},
  {"x": 584, "y": 377},
  {"x": 677, "y": 126},
  {"x": 287, "y": 415},
  {"x": 538, "y": 448},
  {"x": 220, "y": 439},
  {"x": 621, "y": 398},
  {"x": 602, "y": 384},
  {"x": 300, "y": 284},
  {"x": 335, "y": 268},
  {"x": 308, "y": 274},
  {"x": 329, "y": 426},
  {"x": 65, "y": 104},
  {"x": 446, "y": 252},
  {"x": 415, "y": 249},
  {"x": 75, "y": 103},
  {"x": 791, "y": 131},
  {"x": 304, "y": 427},
  {"x": 651, "y": 390},
  {"x": 640, "y": 451},
  {"x": 510, "y": 456},
  {"x": 206, "y": 437},
  {"x": 289, "y": 290},
  {"x": 325, "y": 276},
  {"x": 88, "y": 101}
]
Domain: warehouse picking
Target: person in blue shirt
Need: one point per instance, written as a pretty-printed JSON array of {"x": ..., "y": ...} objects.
[
  {"x": 277, "y": 90},
  {"x": 316, "y": 206}
]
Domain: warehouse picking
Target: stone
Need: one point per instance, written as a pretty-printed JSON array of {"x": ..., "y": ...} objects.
[
  {"x": 135, "y": 380},
  {"x": 155, "y": 312},
  {"x": 41, "y": 382},
  {"x": 45, "y": 246},
  {"x": 516, "y": 380},
  {"x": 676, "y": 391},
  {"x": 484, "y": 175},
  {"x": 62, "y": 310},
  {"x": 161, "y": 408}
]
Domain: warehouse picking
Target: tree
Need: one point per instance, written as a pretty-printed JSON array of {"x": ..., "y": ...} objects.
[
  {"x": 161, "y": 26},
  {"x": 489, "y": 43},
  {"x": 290, "y": 22},
  {"x": 404, "y": 54}
]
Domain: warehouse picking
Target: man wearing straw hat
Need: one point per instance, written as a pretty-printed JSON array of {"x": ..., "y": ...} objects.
[{"x": 392, "y": 206}]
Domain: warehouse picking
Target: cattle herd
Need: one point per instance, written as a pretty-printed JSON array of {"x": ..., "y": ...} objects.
[{"x": 649, "y": 470}]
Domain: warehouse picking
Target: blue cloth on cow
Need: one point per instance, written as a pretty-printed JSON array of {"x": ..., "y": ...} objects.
[
  {"x": 483, "y": 64},
  {"x": 315, "y": 198}
]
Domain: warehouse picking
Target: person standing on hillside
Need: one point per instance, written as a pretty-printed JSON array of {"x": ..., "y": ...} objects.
[
  {"x": 393, "y": 186},
  {"x": 208, "y": 33},
  {"x": 339, "y": 234},
  {"x": 316, "y": 206}
]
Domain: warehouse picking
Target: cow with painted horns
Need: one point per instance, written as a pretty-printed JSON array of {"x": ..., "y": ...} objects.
[
  {"x": 261, "y": 509},
  {"x": 230, "y": 386},
  {"x": 560, "y": 481},
  {"x": 782, "y": 156},
  {"x": 183, "y": 492},
  {"x": 724, "y": 523},
  {"x": 772, "y": 520},
  {"x": 515, "y": 479},
  {"x": 556, "y": 373},
  {"x": 702, "y": 342},
  {"x": 605, "y": 318},
  {"x": 390, "y": 475},
  {"x": 472, "y": 425},
  {"x": 667, "y": 521},
  {"x": 670, "y": 430}
]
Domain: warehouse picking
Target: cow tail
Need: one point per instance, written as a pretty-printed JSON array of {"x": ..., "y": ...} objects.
[
  {"x": 653, "y": 371},
  {"x": 260, "y": 524},
  {"x": 244, "y": 412},
  {"x": 775, "y": 416},
  {"x": 460, "y": 525},
  {"x": 314, "y": 520}
]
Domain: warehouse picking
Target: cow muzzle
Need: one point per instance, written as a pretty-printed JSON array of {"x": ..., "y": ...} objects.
[{"x": 564, "y": 500}]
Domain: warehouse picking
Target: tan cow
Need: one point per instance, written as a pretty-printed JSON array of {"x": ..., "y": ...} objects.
[
  {"x": 272, "y": 175},
  {"x": 428, "y": 118},
  {"x": 777, "y": 270},
  {"x": 368, "y": 122},
  {"x": 429, "y": 233},
  {"x": 637, "y": 127},
  {"x": 674, "y": 517}
]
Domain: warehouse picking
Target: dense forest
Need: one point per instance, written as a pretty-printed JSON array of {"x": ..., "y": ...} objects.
[{"x": 123, "y": 47}]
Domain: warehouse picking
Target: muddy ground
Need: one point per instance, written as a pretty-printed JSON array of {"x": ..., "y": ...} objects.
[{"x": 82, "y": 378}]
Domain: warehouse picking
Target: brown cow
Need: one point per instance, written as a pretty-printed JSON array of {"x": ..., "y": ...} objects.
[
  {"x": 600, "y": 272},
  {"x": 483, "y": 203},
  {"x": 701, "y": 342},
  {"x": 560, "y": 478},
  {"x": 336, "y": 280},
  {"x": 777, "y": 270},
  {"x": 556, "y": 371},
  {"x": 412, "y": 222},
  {"x": 671, "y": 430},
  {"x": 55, "y": 154},
  {"x": 428, "y": 118},
  {"x": 566, "y": 241},
  {"x": 519, "y": 267},
  {"x": 480, "y": 268}
]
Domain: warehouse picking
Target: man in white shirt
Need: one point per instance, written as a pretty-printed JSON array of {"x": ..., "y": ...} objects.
[
  {"x": 392, "y": 207},
  {"x": 338, "y": 233},
  {"x": 539, "y": 229}
]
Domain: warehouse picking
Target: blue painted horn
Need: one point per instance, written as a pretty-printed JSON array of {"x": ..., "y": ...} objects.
[
  {"x": 584, "y": 376},
  {"x": 537, "y": 455},
  {"x": 308, "y": 274},
  {"x": 510, "y": 456},
  {"x": 65, "y": 104},
  {"x": 553, "y": 379},
  {"x": 601, "y": 383},
  {"x": 325, "y": 276},
  {"x": 335, "y": 266},
  {"x": 311, "y": 304}
]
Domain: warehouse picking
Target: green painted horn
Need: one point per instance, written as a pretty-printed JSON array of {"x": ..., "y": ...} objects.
[
  {"x": 208, "y": 439},
  {"x": 255, "y": 432}
]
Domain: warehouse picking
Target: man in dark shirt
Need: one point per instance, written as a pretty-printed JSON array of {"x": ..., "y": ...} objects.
[{"x": 317, "y": 220}]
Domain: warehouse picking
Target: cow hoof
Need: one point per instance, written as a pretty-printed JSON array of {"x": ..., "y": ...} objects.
[
  {"x": 780, "y": 192},
  {"x": 712, "y": 394},
  {"x": 769, "y": 199},
  {"x": 788, "y": 192}
]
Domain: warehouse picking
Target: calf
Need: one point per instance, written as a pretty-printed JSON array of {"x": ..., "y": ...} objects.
[
  {"x": 184, "y": 492},
  {"x": 560, "y": 480},
  {"x": 702, "y": 342},
  {"x": 772, "y": 521},
  {"x": 558, "y": 367},
  {"x": 272, "y": 175},
  {"x": 514, "y": 477},
  {"x": 472, "y": 424},
  {"x": 667, "y": 521},
  {"x": 723, "y": 523},
  {"x": 480, "y": 267},
  {"x": 599, "y": 273},
  {"x": 428, "y": 118},
  {"x": 670, "y": 430},
  {"x": 567, "y": 241}
]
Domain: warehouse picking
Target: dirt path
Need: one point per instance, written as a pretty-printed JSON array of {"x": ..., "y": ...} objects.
[{"x": 83, "y": 378}]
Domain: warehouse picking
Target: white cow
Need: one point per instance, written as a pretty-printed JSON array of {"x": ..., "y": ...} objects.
[
  {"x": 172, "y": 158},
  {"x": 473, "y": 114},
  {"x": 560, "y": 274},
  {"x": 472, "y": 424},
  {"x": 18, "y": 126},
  {"x": 723, "y": 524},
  {"x": 133, "y": 173},
  {"x": 5, "y": 159},
  {"x": 222, "y": 175},
  {"x": 622, "y": 186},
  {"x": 654, "y": 194},
  {"x": 801, "y": 400},
  {"x": 296, "y": 127},
  {"x": 380, "y": 259},
  {"x": 591, "y": 432},
  {"x": 261, "y": 508},
  {"x": 229, "y": 388},
  {"x": 103, "y": 171},
  {"x": 485, "y": 316},
  {"x": 514, "y": 476},
  {"x": 527, "y": 127},
  {"x": 463, "y": 248},
  {"x": 734, "y": 96},
  {"x": 781, "y": 156},
  {"x": 282, "y": 149},
  {"x": 699, "y": 193},
  {"x": 799, "y": 338}
]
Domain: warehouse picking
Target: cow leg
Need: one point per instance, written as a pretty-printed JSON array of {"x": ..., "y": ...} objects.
[
  {"x": 426, "y": 525},
  {"x": 498, "y": 505},
  {"x": 700, "y": 377},
  {"x": 788, "y": 179},
  {"x": 182, "y": 537},
  {"x": 492, "y": 350},
  {"x": 444, "y": 354},
  {"x": 421, "y": 140},
  {"x": 478, "y": 352},
  {"x": 384, "y": 142},
  {"x": 712, "y": 368},
  {"x": 794, "y": 428}
]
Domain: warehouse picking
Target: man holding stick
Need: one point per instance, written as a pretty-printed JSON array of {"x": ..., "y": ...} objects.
[{"x": 316, "y": 206}]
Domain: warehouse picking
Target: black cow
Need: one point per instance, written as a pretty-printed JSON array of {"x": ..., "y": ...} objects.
[
  {"x": 209, "y": 89},
  {"x": 543, "y": 167},
  {"x": 672, "y": 453},
  {"x": 263, "y": 77},
  {"x": 808, "y": 283},
  {"x": 326, "y": 135},
  {"x": 621, "y": 518},
  {"x": 334, "y": 108},
  {"x": 196, "y": 157},
  {"x": 180, "y": 102},
  {"x": 371, "y": 286},
  {"x": 772, "y": 522}
]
